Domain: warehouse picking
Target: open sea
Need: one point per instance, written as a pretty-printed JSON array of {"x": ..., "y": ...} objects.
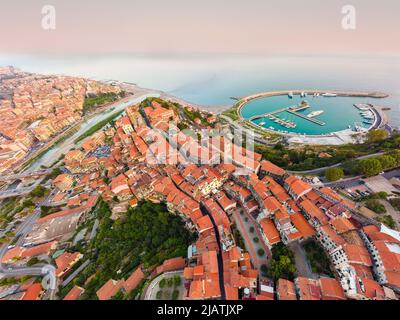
[{"x": 213, "y": 80}]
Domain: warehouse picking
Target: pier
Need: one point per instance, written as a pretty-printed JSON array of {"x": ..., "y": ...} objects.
[
  {"x": 307, "y": 118},
  {"x": 291, "y": 110},
  {"x": 267, "y": 114}
]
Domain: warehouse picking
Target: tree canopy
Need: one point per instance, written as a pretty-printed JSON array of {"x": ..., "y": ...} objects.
[
  {"x": 377, "y": 135},
  {"x": 148, "y": 234},
  {"x": 370, "y": 167},
  {"x": 334, "y": 174}
]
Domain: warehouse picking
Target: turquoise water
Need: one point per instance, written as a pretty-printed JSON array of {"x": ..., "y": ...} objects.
[
  {"x": 212, "y": 80},
  {"x": 339, "y": 113}
]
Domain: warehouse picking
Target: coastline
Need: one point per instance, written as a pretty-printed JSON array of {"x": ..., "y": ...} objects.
[{"x": 342, "y": 135}]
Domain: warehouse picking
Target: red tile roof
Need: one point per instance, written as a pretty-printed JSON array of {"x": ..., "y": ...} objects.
[
  {"x": 269, "y": 167},
  {"x": 331, "y": 289},
  {"x": 172, "y": 264},
  {"x": 286, "y": 290},
  {"x": 342, "y": 225},
  {"x": 314, "y": 212},
  {"x": 302, "y": 225},
  {"x": 270, "y": 231},
  {"x": 133, "y": 281},
  {"x": 109, "y": 289},
  {"x": 74, "y": 293},
  {"x": 33, "y": 292}
]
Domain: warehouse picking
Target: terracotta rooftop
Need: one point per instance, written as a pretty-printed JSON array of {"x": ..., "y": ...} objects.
[{"x": 74, "y": 293}]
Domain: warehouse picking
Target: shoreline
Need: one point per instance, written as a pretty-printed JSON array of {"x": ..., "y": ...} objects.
[{"x": 380, "y": 118}]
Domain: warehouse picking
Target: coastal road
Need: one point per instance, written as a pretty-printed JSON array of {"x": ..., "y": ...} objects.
[{"x": 321, "y": 170}]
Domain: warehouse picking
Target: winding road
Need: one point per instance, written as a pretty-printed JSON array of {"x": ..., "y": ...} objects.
[{"x": 47, "y": 271}]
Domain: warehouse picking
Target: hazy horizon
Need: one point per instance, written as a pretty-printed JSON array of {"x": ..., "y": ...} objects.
[{"x": 183, "y": 27}]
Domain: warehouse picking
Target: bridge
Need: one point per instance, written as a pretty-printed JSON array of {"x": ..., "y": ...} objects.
[{"x": 13, "y": 177}]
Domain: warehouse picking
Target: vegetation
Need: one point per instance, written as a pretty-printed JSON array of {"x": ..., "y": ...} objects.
[
  {"x": 309, "y": 157},
  {"x": 175, "y": 295},
  {"x": 377, "y": 135},
  {"x": 318, "y": 259},
  {"x": 196, "y": 114},
  {"x": 370, "y": 167},
  {"x": 32, "y": 261},
  {"x": 238, "y": 237},
  {"x": 93, "y": 102},
  {"x": 387, "y": 220},
  {"x": 232, "y": 113},
  {"x": 38, "y": 192},
  {"x": 334, "y": 174},
  {"x": 395, "y": 202},
  {"x": 375, "y": 206},
  {"x": 53, "y": 174},
  {"x": 99, "y": 125},
  {"x": 264, "y": 270},
  {"x": 148, "y": 234},
  {"x": 282, "y": 264},
  {"x": 45, "y": 211}
]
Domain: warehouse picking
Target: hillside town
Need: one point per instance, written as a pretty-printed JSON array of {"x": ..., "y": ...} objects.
[
  {"x": 257, "y": 231},
  {"x": 35, "y": 108}
]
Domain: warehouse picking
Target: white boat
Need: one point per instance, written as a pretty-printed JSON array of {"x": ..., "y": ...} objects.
[
  {"x": 290, "y": 95},
  {"x": 315, "y": 113},
  {"x": 261, "y": 123},
  {"x": 329, "y": 95}
]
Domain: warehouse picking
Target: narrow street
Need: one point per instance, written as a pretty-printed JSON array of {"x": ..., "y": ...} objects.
[{"x": 219, "y": 255}]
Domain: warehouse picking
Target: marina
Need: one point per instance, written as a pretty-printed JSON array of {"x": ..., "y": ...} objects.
[
  {"x": 294, "y": 110},
  {"x": 325, "y": 113}
]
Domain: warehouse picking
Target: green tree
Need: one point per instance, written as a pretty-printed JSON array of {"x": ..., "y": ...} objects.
[
  {"x": 175, "y": 295},
  {"x": 32, "y": 261},
  {"x": 177, "y": 281},
  {"x": 395, "y": 154},
  {"x": 334, "y": 174},
  {"x": 283, "y": 267},
  {"x": 264, "y": 270},
  {"x": 370, "y": 167},
  {"x": 38, "y": 191},
  {"x": 162, "y": 283},
  {"x": 377, "y": 135},
  {"x": 375, "y": 206},
  {"x": 387, "y": 161},
  {"x": 388, "y": 221}
]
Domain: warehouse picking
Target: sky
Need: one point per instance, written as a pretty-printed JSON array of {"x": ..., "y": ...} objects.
[{"x": 185, "y": 27}]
